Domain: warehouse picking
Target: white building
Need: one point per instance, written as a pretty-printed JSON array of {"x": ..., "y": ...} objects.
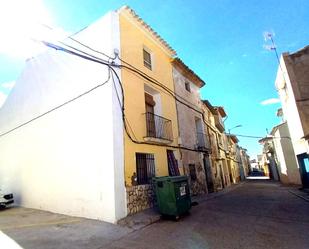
[
  {"x": 286, "y": 161},
  {"x": 292, "y": 83},
  {"x": 71, "y": 159}
]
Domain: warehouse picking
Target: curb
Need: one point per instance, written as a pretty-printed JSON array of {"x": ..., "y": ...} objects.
[
  {"x": 298, "y": 195},
  {"x": 150, "y": 216}
]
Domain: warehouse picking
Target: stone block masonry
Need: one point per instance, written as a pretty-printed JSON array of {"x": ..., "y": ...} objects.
[{"x": 140, "y": 198}]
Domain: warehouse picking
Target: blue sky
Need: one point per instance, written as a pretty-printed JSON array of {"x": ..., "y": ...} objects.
[{"x": 221, "y": 40}]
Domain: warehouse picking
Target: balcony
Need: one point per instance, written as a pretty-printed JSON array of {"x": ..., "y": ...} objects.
[
  {"x": 202, "y": 141},
  {"x": 218, "y": 123},
  {"x": 158, "y": 129}
]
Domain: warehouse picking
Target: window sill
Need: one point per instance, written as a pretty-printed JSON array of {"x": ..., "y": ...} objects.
[{"x": 155, "y": 140}]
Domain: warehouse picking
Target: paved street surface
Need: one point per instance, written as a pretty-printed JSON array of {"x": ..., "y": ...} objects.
[{"x": 257, "y": 214}]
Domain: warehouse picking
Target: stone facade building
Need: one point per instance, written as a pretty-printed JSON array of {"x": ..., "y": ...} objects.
[
  {"x": 232, "y": 158},
  {"x": 216, "y": 156},
  {"x": 191, "y": 126}
]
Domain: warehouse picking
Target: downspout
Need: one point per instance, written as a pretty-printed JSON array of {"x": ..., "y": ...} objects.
[{"x": 180, "y": 151}]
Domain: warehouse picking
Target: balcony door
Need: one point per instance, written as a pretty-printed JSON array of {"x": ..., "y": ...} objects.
[{"x": 150, "y": 118}]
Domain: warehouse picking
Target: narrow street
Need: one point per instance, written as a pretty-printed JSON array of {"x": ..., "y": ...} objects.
[
  {"x": 255, "y": 214},
  {"x": 258, "y": 214}
]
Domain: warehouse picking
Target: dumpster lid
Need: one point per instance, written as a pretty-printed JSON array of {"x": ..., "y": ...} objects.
[{"x": 170, "y": 178}]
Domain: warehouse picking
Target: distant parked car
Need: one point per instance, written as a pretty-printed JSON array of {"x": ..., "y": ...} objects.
[
  {"x": 257, "y": 172},
  {"x": 6, "y": 199}
]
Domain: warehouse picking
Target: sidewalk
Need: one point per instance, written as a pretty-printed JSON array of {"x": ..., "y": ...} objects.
[
  {"x": 152, "y": 215},
  {"x": 301, "y": 193}
]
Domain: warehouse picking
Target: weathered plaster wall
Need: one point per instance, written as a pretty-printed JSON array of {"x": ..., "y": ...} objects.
[
  {"x": 300, "y": 65},
  {"x": 187, "y": 131}
]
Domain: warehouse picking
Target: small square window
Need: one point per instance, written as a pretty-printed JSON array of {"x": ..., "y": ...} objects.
[
  {"x": 147, "y": 59},
  {"x": 187, "y": 86}
]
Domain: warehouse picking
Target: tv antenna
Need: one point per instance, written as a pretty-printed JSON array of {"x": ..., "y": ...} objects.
[{"x": 269, "y": 36}]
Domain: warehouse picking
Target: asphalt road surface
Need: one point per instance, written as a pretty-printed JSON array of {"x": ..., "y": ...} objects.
[{"x": 258, "y": 214}]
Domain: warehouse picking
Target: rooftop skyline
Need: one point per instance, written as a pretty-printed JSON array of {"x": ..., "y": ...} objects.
[{"x": 221, "y": 41}]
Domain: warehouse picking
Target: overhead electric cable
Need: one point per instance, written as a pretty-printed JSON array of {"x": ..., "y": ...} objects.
[
  {"x": 57, "y": 107},
  {"x": 80, "y": 43}
]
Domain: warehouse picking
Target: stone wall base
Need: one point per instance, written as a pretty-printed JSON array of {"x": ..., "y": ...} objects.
[{"x": 140, "y": 198}]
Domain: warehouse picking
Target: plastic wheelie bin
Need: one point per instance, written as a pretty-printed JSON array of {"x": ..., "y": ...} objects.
[{"x": 173, "y": 195}]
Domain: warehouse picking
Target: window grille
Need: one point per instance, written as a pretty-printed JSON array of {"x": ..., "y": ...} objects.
[
  {"x": 145, "y": 168},
  {"x": 172, "y": 164}
]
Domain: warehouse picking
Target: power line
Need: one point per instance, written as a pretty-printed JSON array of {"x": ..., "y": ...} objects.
[
  {"x": 269, "y": 36},
  {"x": 121, "y": 103},
  {"x": 131, "y": 67},
  {"x": 80, "y": 43},
  {"x": 149, "y": 78},
  {"x": 142, "y": 74},
  {"x": 88, "y": 56},
  {"x": 95, "y": 59},
  {"x": 57, "y": 107},
  {"x": 126, "y": 123},
  {"x": 259, "y": 137}
]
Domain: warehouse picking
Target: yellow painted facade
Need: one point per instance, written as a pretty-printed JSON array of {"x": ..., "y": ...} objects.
[{"x": 134, "y": 37}]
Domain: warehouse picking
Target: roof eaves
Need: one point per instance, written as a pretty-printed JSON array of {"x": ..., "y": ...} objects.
[
  {"x": 304, "y": 50},
  {"x": 194, "y": 77},
  {"x": 148, "y": 27},
  {"x": 209, "y": 106},
  {"x": 221, "y": 111},
  {"x": 233, "y": 137}
]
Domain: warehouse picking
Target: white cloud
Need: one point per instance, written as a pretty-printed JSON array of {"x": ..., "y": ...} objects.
[
  {"x": 8, "y": 85},
  {"x": 2, "y": 98},
  {"x": 270, "y": 101}
]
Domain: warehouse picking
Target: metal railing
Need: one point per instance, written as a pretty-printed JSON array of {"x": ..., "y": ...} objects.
[
  {"x": 158, "y": 127},
  {"x": 202, "y": 140}
]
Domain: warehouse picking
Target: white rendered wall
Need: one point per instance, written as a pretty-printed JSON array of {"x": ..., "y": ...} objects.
[
  {"x": 288, "y": 167},
  {"x": 289, "y": 107},
  {"x": 69, "y": 161}
]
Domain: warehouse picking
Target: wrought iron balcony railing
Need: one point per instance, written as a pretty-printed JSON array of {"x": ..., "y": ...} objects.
[{"x": 158, "y": 127}]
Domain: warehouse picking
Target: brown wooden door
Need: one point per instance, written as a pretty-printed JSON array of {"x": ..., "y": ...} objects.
[{"x": 150, "y": 118}]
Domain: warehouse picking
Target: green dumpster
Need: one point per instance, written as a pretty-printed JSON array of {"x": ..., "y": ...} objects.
[{"x": 173, "y": 195}]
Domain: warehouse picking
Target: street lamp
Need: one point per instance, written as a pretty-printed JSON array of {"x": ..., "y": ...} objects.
[{"x": 237, "y": 126}]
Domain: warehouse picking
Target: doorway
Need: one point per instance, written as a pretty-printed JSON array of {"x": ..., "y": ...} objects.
[
  {"x": 303, "y": 161},
  {"x": 208, "y": 173}
]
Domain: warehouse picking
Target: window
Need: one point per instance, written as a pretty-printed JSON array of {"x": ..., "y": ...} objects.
[
  {"x": 192, "y": 172},
  {"x": 150, "y": 118},
  {"x": 220, "y": 140},
  {"x": 187, "y": 86},
  {"x": 145, "y": 168},
  {"x": 147, "y": 59},
  {"x": 172, "y": 163}
]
